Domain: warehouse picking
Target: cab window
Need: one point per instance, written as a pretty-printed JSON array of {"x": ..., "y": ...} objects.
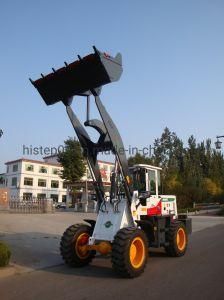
[
  {"x": 159, "y": 183},
  {"x": 152, "y": 182}
]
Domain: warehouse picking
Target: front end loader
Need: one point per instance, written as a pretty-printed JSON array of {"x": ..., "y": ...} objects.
[{"x": 135, "y": 216}]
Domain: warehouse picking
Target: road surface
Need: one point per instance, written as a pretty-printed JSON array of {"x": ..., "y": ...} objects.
[{"x": 197, "y": 275}]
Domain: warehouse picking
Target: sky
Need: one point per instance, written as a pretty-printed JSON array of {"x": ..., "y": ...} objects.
[{"x": 173, "y": 68}]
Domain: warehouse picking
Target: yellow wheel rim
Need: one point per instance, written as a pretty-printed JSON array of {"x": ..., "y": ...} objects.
[
  {"x": 137, "y": 253},
  {"x": 81, "y": 246},
  {"x": 181, "y": 239}
]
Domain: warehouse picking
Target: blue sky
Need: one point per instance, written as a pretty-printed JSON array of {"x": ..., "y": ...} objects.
[{"x": 172, "y": 58}]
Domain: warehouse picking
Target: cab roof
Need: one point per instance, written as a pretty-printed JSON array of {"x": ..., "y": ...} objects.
[{"x": 149, "y": 167}]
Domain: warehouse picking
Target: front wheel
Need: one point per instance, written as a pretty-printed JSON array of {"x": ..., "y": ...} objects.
[
  {"x": 129, "y": 252},
  {"x": 73, "y": 245},
  {"x": 177, "y": 239}
]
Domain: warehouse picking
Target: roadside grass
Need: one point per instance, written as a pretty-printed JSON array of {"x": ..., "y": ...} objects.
[{"x": 5, "y": 254}]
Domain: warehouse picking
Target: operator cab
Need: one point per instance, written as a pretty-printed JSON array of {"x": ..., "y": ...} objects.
[{"x": 146, "y": 180}]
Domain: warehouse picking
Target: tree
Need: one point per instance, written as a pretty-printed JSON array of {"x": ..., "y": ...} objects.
[
  {"x": 211, "y": 187},
  {"x": 72, "y": 160},
  {"x": 168, "y": 151},
  {"x": 139, "y": 159},
  {"x": 193, "y": 174}
]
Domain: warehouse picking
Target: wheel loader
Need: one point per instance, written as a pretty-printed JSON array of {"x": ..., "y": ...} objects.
[{"x": 136, "y": 215}]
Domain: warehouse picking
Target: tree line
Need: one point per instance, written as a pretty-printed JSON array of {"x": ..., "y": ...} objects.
[{"x": 194, "y": 173}]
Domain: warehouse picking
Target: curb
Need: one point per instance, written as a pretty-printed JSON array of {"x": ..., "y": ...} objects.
[{"x": 13, "y": 269}]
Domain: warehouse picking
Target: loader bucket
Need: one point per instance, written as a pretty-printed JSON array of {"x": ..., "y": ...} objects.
[{"x": 79, "y": 77}]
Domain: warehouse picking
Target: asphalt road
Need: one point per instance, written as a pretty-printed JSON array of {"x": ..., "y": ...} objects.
[{"x": 197, "y": 275}]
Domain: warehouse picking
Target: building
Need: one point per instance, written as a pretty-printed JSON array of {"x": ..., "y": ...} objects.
[
  {"x": 105, "y": 168},
  {"x": 27, "y": 178}
]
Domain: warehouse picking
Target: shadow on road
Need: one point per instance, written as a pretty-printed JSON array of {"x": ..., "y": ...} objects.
[
  {"x": 99, "y": 268},
  {"x": 33, "y": 250},
  {"x": 157, "y": 253}
]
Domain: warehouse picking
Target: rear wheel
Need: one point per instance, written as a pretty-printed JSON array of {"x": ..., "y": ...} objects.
[
  {"x": 178, "y": 239},
  {"x": 73, "y": 245},
  {"x": 129, "y": 252}
]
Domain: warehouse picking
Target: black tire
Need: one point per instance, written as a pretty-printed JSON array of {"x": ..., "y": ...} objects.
[
  {"x": 69, "y": 246},
  {"x": 125, "y": 264},
  {"x": 177, "y": 245}
]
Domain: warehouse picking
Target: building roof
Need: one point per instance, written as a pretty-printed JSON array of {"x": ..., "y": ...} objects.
[
  {"x": 146, "y": 167},
  {"x": 32, "y": 161},
  {"x": 50, "y": 156},
  {"x": 100, "y": 161},
  {"x": 106, "y": 162},
  {"x": 47, "y": 163}
]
